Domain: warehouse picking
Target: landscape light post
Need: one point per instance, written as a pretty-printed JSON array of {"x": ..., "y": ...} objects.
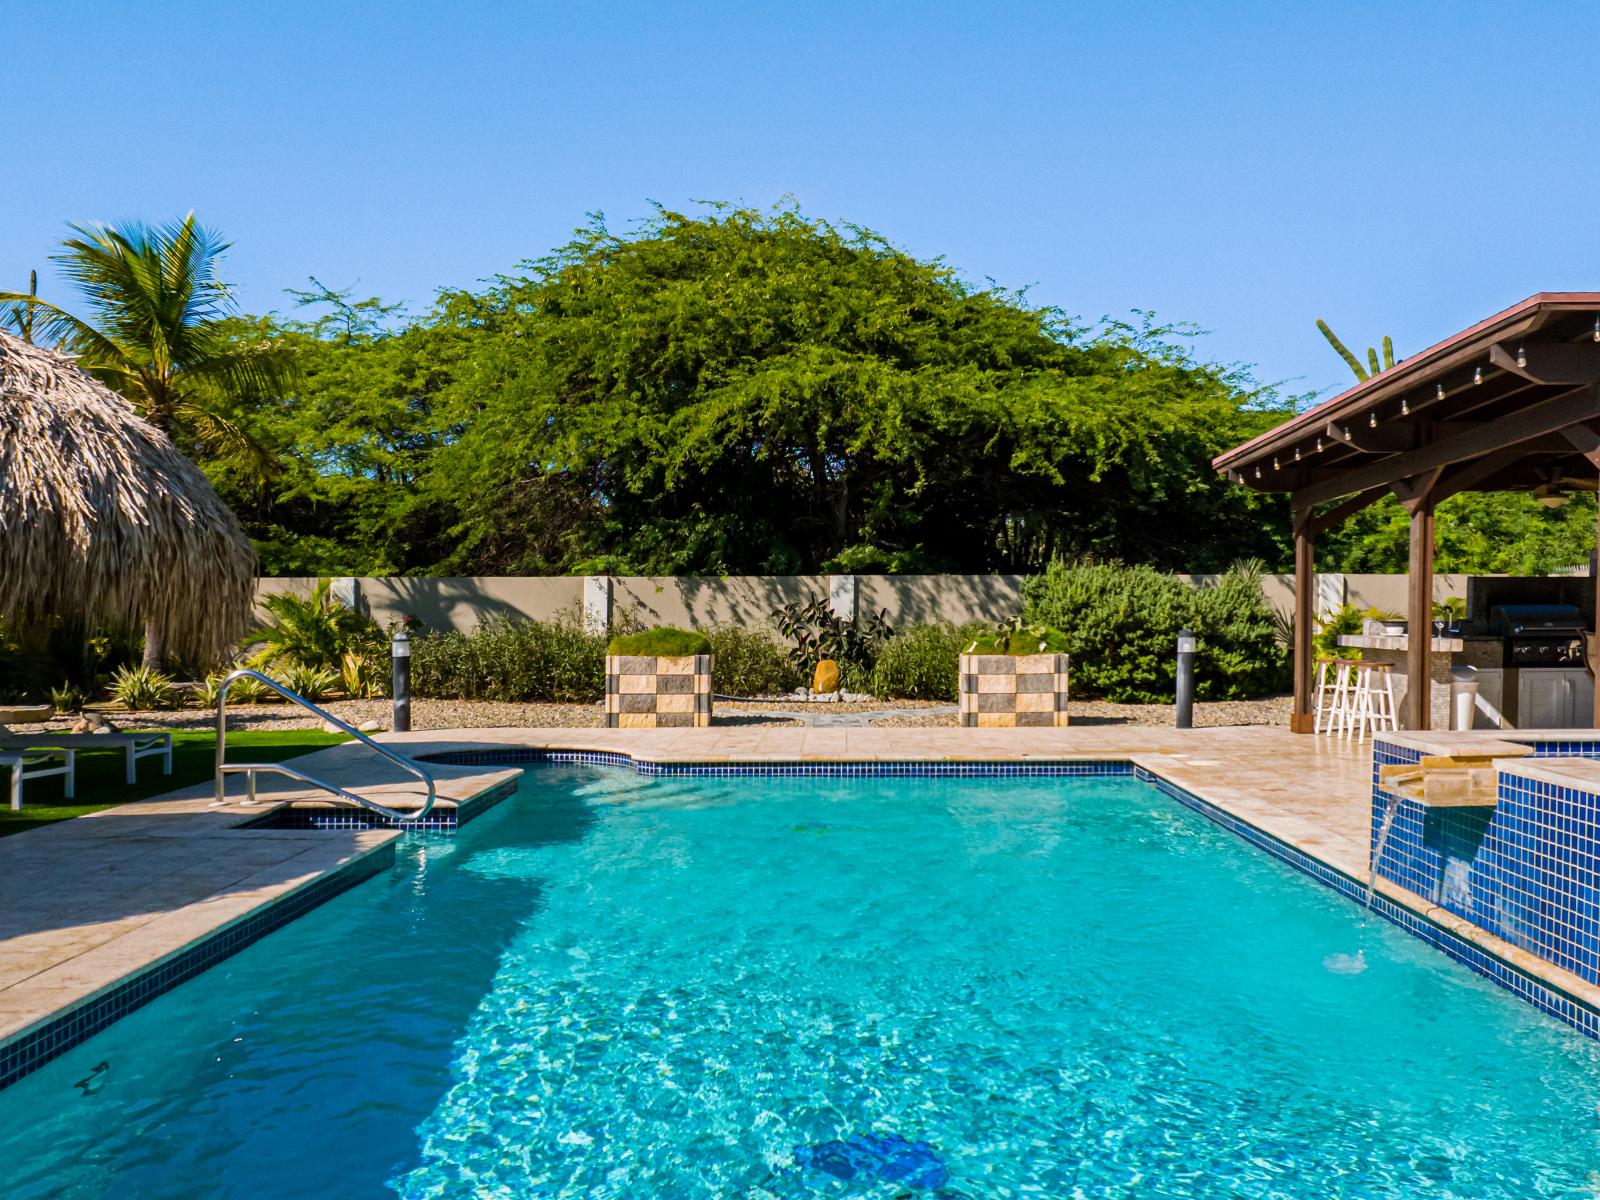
[
  {"x": 1186, "y": 645},
  {"x": 400, "y": 650}
]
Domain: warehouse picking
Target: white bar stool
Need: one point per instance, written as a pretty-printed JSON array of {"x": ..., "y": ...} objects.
[
  {"x": 1335, "y": 690},
  {"x": 1372, "y": 703}
]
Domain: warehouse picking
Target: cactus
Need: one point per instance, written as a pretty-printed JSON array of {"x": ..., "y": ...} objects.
[
  {"x": 1372, "y": 367},
  {"x": 1339, "y": 347}
]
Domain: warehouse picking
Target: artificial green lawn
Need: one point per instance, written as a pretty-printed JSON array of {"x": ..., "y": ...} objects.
[{"x": 100, "y": 772}]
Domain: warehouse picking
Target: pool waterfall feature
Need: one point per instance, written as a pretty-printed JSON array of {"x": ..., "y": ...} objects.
[{"x": 1500, "y": 839}]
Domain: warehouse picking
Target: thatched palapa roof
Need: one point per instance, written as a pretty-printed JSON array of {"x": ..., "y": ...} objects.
[{"x": 102, "y": 518}]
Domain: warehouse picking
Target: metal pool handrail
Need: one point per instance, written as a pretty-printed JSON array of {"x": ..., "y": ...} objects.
[{"x": 251, "y": 770}]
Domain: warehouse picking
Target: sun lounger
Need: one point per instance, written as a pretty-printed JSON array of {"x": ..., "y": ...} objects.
[
  {"x": 40, "y": 766},
  {"x": 134, "y": 746}
]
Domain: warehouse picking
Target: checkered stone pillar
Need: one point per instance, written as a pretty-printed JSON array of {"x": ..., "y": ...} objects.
[
  {"x": 1008, "y": 690},
  {"x": 657, "y": 692}
]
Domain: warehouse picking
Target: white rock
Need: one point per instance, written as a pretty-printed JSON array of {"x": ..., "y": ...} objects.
[
  {"x": 372, "y": 726},
  {"x": 330, "y": 727}
]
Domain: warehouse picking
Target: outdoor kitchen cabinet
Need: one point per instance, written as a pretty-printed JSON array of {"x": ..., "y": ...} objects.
[{"x": 1554, "y": 698}]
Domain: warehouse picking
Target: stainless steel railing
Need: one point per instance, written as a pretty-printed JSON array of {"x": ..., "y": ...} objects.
[{"x": 251, "y": 770}]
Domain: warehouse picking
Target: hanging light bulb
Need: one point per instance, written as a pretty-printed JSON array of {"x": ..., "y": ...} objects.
[
  {"x": 1372, "y": 420},
  {"x": 1275, "y": 465},
  {"x": 1319, "y": 445},
  {"x": 1438, "y": 391},
  {"x": 1405, "y": 407},
  {"x": 1597, "y": 328},
  {"x": 1522, "y": 356},
  {"x": 1347, "y": 434},
  {"x": 1297, "y": 454},
  {"x": 1258, "y": 472},
  {"x": 1477, "y": 376}
]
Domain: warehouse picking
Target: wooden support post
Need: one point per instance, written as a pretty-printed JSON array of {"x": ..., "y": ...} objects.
[
  {"x": 1303, "y": 717},
  {"x": 1594, "y": 578},
  {"x": 1419, "y": 619}
]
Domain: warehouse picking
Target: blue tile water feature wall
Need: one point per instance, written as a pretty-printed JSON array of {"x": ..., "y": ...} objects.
[{"x": 1525, "y": 870}]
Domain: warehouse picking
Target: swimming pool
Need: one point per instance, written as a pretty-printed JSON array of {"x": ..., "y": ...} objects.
[{"x": 621, "y": 986}]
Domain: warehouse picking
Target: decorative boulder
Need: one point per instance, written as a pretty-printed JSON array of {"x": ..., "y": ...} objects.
[
  {"x": 1004, "y": 690},
  {"x": 667, "y": 689},
  {"x": 826, "y": 677}
]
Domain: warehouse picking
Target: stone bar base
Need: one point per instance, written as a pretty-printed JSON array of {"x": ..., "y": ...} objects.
[
  {"x": 1001, "y": 690},
  {"x": 657, "y": 692}
]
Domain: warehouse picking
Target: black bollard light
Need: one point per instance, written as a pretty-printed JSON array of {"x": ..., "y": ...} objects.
[
  {"x": 400, "y": 649},
  {"x": 1186, "y": 642}
]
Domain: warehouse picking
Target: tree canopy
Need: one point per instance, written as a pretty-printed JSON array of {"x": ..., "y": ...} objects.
[
  {"x": 747, "y": 391},
  {"x": 739, "y": 391}
]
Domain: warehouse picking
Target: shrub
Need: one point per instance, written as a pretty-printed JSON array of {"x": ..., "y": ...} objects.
[
  {"x": 364, "y": 675},
  {"x": 664, "y": 641},
  {"x": 514, "y": 662},
  {"x": 140, "y": 688},
  {"x": 311, "y": 683},
  {"x": 1120, "y": 624},
  {"x": 817, "y": 634},
  {"x": 315, "y": 632},
  {"x": 68, "y": 698},
  {"x": 751, "y": 662},
  {"x": 922, "y": 663}
]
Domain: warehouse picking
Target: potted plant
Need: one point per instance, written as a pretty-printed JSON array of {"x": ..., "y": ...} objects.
[{"x": 1015, "y": 676}]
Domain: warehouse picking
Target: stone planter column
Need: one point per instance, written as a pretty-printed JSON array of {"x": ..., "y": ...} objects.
[
  {"x": 658, "y": 692},
  {"x": 1014, "y": 690}
]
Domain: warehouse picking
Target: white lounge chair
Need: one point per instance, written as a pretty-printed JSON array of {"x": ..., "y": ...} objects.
[
  {"x": 41, "y": 766},
  {"x": 134, "y": 746}
]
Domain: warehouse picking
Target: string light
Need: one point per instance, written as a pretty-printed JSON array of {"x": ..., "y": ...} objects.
[
  {"x": 1438, "y": 391},
  {"x": 1258, "y": 472},
  {"x": 1477, "y": 376},
  {"x": 1275, "y": 465},
  {"x": 1372, "y": 420},
  {"x": 1405, "y": 407},
  {"x": 1597, "y": 329},
  {"x": 1319, "y": 445},
  {"x": 1297, "y": 454},
  {"x": 1522, "y": 356}
]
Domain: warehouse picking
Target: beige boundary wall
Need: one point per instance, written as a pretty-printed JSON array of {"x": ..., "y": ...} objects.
[{"x": 703, "y": 602}]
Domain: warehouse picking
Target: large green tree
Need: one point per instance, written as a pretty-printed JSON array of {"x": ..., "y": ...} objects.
[{"x": 752, "y": 391}]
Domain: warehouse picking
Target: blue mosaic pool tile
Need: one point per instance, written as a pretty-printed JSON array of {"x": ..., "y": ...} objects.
[
  {"x": 29, "y": 1051},
  {"x": 444, "y": 819},
  {"x": 796, "y": 769}
]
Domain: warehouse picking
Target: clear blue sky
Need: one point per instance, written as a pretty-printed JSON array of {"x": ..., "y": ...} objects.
[{"x": 1249, "y": 167}]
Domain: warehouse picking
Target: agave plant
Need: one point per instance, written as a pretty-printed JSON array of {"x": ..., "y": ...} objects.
[
  {"x": 140, "y": 688},
  {"x": 315, "y": 632}
]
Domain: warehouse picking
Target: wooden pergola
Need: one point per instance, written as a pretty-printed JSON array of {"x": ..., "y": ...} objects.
[{"x": 1511, "y": 404}]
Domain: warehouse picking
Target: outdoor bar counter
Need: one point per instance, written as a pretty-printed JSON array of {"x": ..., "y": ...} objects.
[{"x": 1508, "y": 698}]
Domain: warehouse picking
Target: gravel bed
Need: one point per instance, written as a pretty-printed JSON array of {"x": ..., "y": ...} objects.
[
  {"x": 488, "y": 714},
  {"x": 1274, "y": 710}
]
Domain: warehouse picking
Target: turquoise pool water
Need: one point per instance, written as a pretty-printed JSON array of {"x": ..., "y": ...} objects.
[{"x": 613, "y": 986}]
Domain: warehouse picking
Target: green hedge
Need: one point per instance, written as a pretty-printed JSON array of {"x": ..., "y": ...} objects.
[
  {"x": 751, "y": 662},
  {"x": 921, "y": 663},
  {"x": 517, "y": 662},
  {"x": 1121, "y": 625}
]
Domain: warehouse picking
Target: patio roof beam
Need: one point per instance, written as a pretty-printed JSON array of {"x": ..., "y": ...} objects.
[
  {"x": 1549, "y": 416},
  {"x": 1570, "y": 364}
]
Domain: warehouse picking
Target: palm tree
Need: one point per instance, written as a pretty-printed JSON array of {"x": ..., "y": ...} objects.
[{"x": 154, "y": 333}]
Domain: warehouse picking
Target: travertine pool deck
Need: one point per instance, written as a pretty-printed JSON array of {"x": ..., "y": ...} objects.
[{"x": 88, "y": 904}]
